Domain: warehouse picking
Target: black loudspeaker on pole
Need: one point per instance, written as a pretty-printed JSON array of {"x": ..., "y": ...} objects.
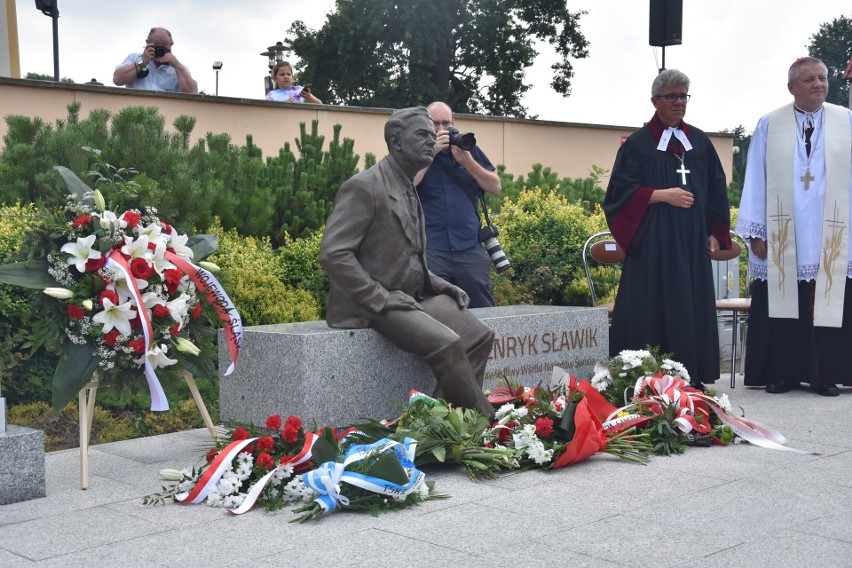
[{"x": 665, "y": 23}]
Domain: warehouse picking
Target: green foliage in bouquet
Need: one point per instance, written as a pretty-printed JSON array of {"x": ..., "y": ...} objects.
[
  {"x": 543, "y": 235},
  {"x": 446, "y": 435}
]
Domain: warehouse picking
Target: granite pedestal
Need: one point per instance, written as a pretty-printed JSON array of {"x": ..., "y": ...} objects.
[
  {"x": 340, "y": 376},
  {"x": 21, "y": 464}
]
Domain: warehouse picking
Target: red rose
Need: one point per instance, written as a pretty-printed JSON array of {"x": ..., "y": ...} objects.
[
  {"x": 136, "y": 323},
  {"x": 289, "y": 434},
  {"x": 196, "y": 311},
  {"x": 82, "y": 220},
  {"x": 95, "y": 264},
  {"x": 274, "y": 422},
  {"x": 543, "y": 427},
  {"x": 239, "y": 434},
  {"x": 293, "y": 422},
  {"x": 108, "y": 295},
  {"x": 111, "y": 337},
  {"x": 211, "y": 455},
  {"x": 265, "y": 461},
  {"x": 166, "y": 227},
  {"x": 138, "y": 345},
  {"x": 131, "y": 218},
  {"x": 75, "y": 312},
  {"x": 160, "y": 311},
  {"x": 141, "y": 269},
  {"x": 175, "y": 330},
  {"x": 265, "y": 443}
]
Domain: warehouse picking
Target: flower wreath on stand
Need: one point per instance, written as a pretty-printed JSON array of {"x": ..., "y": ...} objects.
[{"x": 131, "y": 289}]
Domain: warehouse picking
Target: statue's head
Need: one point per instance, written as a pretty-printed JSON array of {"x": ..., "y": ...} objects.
[{"x": 410, "y": 136}]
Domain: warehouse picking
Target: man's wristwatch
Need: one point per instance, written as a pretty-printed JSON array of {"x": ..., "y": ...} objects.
[{"x": 141, "y": 70}]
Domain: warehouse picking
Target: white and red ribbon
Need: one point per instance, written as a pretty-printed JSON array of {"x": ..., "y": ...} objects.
[
  {"x": 256, "y": 489},
  {"x": 218, "y": 298},
  {"x": 115, "y": 261}
]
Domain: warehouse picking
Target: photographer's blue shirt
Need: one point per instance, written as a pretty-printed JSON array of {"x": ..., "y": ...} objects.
[{"x": 448, "y": 194}]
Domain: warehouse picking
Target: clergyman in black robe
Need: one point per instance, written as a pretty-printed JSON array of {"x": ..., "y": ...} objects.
[{"x": 667, "y": 207}]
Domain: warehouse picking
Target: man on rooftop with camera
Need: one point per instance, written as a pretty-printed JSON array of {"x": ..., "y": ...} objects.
[
  {"x": 449, "y": 191},
  {"x": 156, "y": 68}
]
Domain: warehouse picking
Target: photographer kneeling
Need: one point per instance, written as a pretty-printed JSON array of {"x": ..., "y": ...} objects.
[{"x": 449, "y": 191}]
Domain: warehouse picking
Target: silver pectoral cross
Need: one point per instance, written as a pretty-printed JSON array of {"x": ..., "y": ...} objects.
[
  {"x": 683, "y": 171},
  {"x": 807, "y": 178}
]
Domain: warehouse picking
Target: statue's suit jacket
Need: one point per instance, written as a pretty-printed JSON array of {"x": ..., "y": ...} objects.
[{"x": 374, "y": 243}]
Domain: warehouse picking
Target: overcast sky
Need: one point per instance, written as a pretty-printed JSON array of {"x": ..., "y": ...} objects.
[{"x": 736, "y": 52}]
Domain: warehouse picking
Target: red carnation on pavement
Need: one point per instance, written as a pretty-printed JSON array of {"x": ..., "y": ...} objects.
[
  {"x": 211, "y": 455},
  {"x": 543, "y": 427},
  {"x": 274, "y": 422},
  {"x": 131, "y": 218},
  {"x": 108, "y": 295},
  {"x": 265, "y": 461},
  {"x": 294, "y": 422},
  {"x": 160, "y": 311},
  {"x": 265, "y": 443},
  {"x": 82, "y": 220},
  {"x": 75, "y": 312},
  {"x": 239, "y": 434},
  {"x": 111, "y": 337},
  {"x": 290, "y": 434},
  {"x": 138, "y": 345}
]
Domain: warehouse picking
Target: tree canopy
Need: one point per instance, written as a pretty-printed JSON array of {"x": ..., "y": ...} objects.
[
  {"x": 833, "y": 44},
  {"x": 473, "y": 54}
]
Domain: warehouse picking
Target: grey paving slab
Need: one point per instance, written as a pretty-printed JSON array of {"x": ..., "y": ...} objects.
[{"x": 735, "y": 506}]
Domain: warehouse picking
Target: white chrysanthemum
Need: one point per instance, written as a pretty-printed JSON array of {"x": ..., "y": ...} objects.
[
  {"x": 677, "y": 369},
  {"x": 115, "y": 316},
  {"x": 504, "y": 410},
  {"x": 81, "y": 251},
  {"x": 537, "y": 452},
  {"x": 214, "y": 498},
  {"x": 724, "y": 402},
  {"x": 524, "y": 436},
  {"x": 234, "y": 501},
  {"x": 245, "y": 458}
]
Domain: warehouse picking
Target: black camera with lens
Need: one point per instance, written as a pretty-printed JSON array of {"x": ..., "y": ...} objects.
[
  {"x": 160, "y": 50},
  {"x": 464, "y": 140},
  {"x": 488, "y": 238}
]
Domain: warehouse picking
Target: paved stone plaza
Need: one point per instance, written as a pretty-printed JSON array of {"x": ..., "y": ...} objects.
[{"x": 737, "y": 506}]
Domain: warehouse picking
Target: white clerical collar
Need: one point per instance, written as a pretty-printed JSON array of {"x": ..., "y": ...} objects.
[{"x": 667, "y": 136}]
